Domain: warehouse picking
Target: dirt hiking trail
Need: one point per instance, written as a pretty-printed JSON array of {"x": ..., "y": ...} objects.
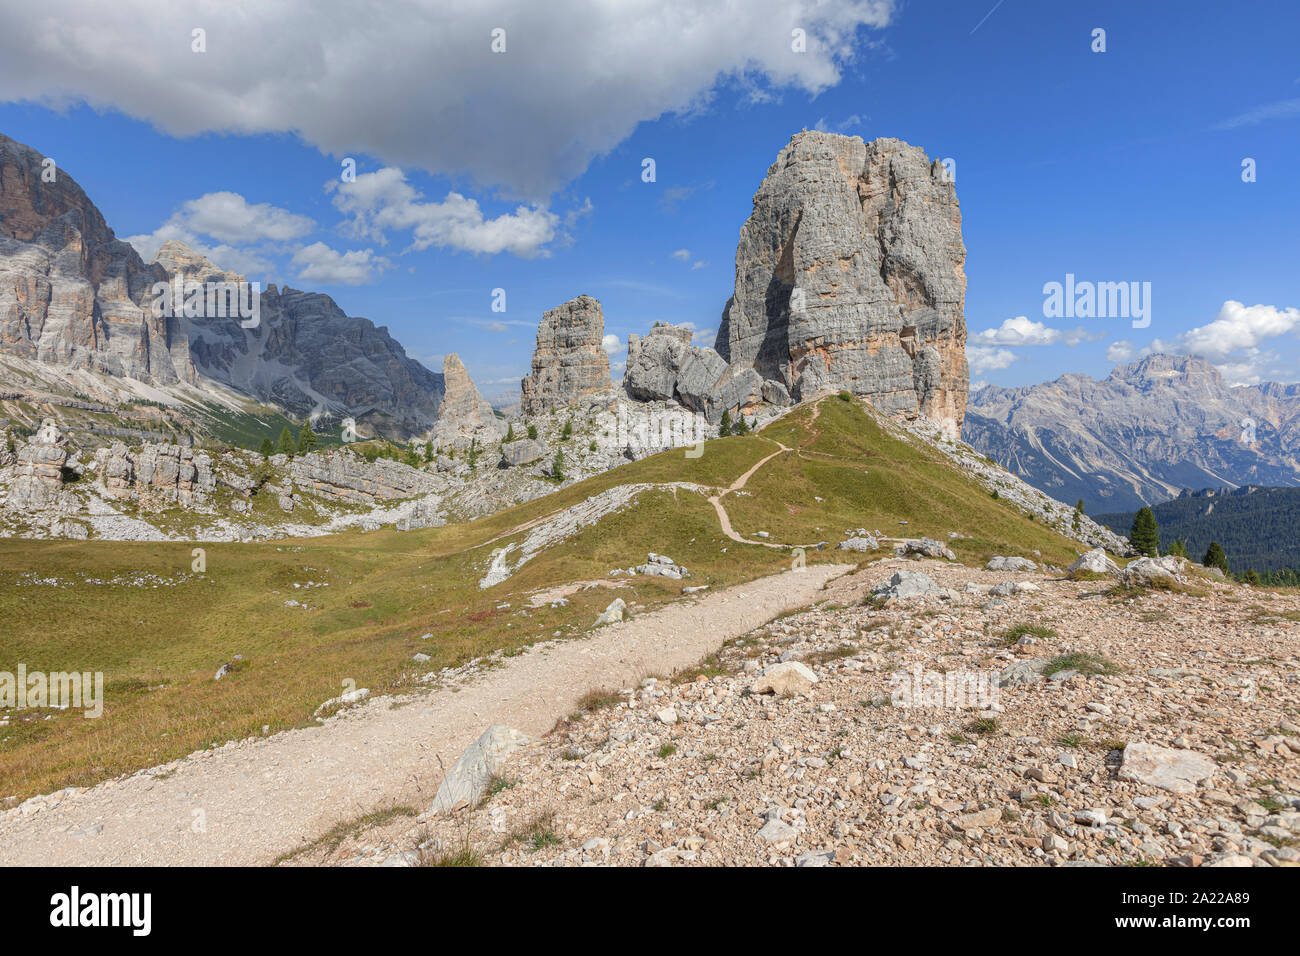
[{"x": 249, "y": 802}]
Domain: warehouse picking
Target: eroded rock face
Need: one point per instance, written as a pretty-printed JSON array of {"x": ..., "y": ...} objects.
[
  {"x": 343, "y": 476},
  {"x": 570, "y": 360},
  {"x": 38, "y": 475},
  {"x": 663, "y": 365},
  {"x": 850, "y": 274},
  {"x": 464, "y": 415},
  {"x": 71, "y": 292},
  {"x": 157, "y": 474}
]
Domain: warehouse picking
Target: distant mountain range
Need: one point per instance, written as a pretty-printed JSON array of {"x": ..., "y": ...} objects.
[
  {"x": 80, "y": 306},
  {"x": 1140, "y": 436},
  {"x": 1257, "y": 527}
]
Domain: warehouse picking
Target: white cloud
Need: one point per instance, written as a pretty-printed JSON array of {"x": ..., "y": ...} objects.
[
  {"x": 698, "y": 264},
  {"x": 320, "y": 263},
  {"x": 231, "y": 220},
  {"x": 1119, "y": 351},
  {"x": 612, "y": 344},
  {"x": 983, "y": 358},
  {"x": 1023, "y": 331},
  {"x": 682, "y": 255},
  {"x": 383, "y": 201},
  {"x": 1237, "y": 327},
  {"x": 418, "y": 85}
]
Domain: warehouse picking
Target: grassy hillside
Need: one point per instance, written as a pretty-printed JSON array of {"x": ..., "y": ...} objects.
[
  {"x": 158, "y": 630},
  {"x": 1256, "y": 529}
]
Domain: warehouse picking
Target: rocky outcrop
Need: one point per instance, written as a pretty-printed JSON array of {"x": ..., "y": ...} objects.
[
  {"x": 38, "y": 475},
  {"x": 464, "y": 416},
  {"x": 850, "y": 275},
  {"x": 570, "y": 360},
  {"x": 1141, "y": 435},
  {"x": 342, "y": 476},
  {"x": 71, "y": 293},
  {"x": 664, "y": 365},
  {"x": 522, "y": 452},
  {"x": 157, "y": 474}
]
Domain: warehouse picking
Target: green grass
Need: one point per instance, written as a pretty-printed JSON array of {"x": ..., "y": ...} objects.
[
  {"x": 1012, "y": 635},
  {"x": 158, "y": 647},
  {"x": 868, "y": 478},
  {"x": 1090, "y": 664}
]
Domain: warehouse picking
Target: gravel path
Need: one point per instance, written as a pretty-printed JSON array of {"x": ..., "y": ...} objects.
[
  {"x": 724, "y": 520},
  {"x": 250, "y": 801}
]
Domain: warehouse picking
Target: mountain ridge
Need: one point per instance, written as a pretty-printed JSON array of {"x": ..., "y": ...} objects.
[{"x": 1140, "y": 435}]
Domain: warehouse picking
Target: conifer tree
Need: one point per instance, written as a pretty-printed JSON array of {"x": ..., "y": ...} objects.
[{"x": 1145, "y": 533}]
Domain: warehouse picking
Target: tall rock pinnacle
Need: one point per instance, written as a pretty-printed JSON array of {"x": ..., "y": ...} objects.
[
  {"x": 850, "y": 274},
  {"x": 570, "y": 360}
]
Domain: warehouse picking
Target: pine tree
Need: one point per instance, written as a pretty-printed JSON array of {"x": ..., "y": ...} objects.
[
  {"x": 1251, "y": 578},
  {"x": 532, "y": 431},
  {"x": 307, "y": 439},
  {"x": 1078, "y": 508},
  {"x": 1145, "y": 533},
  {"x": 510, "y": 432},
  {"x": 557, "y": 466},
  {"x": 724, "y": 426},
  {"x": 428, "y": 451},
  {"x": 1179, "y": 548},
  {"x": 267, "y": 449},
  {"x": 1215, "y": 557},
  {"x": 567, "y": 430},
  {"x": 742, "y": 426},
  {"x": 285, "y": 445}
]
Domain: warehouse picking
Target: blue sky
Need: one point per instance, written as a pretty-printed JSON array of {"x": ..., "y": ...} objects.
[{"x": 1117, "y": 166}]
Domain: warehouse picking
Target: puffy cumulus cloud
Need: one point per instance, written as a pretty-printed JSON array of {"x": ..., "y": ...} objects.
[
  {"x": 1023, "y": 331},
  {"x": 417, "y": 84},
  {"x": 232, "y": 218},
  {"x": 319, "y": 263},
  {"x": 234, "y": 223},
  {"x": 984, "y": 358},
  {"x": 1120, "y": 350},
  {"x": 384, "y": 201},
  {"x": 1238, "y": 327},
  {"x": 612, "y": 344},
  {"x": 1236, "y": 342}
]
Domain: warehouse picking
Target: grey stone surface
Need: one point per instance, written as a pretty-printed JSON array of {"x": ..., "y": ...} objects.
[
  {"x": 1178, "y": 771},
  {"x": 157, "y": 474},
  {"x": 663, "y": 365},
  {"x": 1022, "y": 672},
  {"x": 1146, "y": 571},
  {"x": 522, "y": 452},
  {"x": 467, "y": 781},
  {"x": 908, "y": 584},
  {"x": 464, "y": 416},
  {"x": 617, "y": 611},
  {"x": 850, "y": 274},
  {"x": 1095, "y": 561},
  {"x": 38, "y": 474},
  {"x": 343, "y": 476},
  {"x": 926, "y": 547},
  {"x": 1000, "y": 563},
  {"x": 570, "y": 360}
]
